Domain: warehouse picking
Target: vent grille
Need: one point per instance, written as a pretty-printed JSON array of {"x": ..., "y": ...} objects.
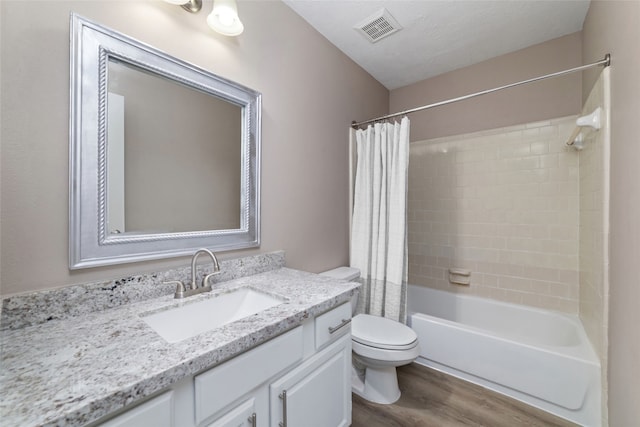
[{"x": 378, "y": 26}]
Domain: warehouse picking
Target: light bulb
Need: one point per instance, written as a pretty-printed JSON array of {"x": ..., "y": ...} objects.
[{"x": 224, "y": 18}]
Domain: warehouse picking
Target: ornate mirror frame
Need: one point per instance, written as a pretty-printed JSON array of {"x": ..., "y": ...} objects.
[{"x": 90, "y": 243}]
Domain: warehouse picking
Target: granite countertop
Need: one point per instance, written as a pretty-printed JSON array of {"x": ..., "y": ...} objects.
[{"x": 76, "y": 370}]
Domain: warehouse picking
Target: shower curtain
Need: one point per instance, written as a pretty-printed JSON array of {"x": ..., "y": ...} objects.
[{"x": 379, "y": 223}]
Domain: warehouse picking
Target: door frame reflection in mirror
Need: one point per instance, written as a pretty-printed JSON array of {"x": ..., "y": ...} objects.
[{"x": 90, "y": 242}]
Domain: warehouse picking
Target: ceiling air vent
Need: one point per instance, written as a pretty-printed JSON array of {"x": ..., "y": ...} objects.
[{"x": 378, "y": 26}]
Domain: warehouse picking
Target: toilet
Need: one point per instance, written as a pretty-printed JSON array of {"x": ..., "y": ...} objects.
[{"x": 379, "y": 346}]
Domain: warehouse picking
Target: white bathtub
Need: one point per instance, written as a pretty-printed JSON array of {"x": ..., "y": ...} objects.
[{"x": 536, "y": 356}]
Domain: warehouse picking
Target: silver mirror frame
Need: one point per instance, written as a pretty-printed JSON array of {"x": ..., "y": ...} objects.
[{"x": 90, "y": 243}]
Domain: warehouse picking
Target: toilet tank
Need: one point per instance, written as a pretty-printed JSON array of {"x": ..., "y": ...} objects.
[
  {"x": 350, "y": 274},
  {"x": 344, "y": 273}
]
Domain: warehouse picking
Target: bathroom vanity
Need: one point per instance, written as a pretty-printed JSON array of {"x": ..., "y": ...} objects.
[
  {"x": 300, "y": 378},
  {"x": 286, "y": 365}
]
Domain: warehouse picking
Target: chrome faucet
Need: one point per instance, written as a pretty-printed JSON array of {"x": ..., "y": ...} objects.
[{"x": 182, "y": 291}]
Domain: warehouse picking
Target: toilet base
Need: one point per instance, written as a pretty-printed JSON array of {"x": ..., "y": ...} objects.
[{"x": 380, "y": 385}]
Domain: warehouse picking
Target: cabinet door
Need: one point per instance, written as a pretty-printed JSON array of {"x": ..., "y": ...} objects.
[
  {"x": 318, "y": 392},
  {"x": 243, "y": 415},
  {"x": 252, "y": 411},
  {"x": 157, "y": 412},
  {"x": 226, "y": 384}
]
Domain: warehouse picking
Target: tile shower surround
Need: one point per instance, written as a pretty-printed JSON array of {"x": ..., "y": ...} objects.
[
  {"x": 594, "y": 232},
  {"x": 593, "y": 235},
  {"x": 504, "y": 204}
]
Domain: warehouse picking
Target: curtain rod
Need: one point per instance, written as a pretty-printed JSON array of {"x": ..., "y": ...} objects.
[{"x": 604, "y": 62}]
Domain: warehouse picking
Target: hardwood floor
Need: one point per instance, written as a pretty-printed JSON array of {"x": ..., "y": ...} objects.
[{"x": 431, "y": 398}]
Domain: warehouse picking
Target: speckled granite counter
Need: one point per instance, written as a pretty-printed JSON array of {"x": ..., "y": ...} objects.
[{"x": 76, "y": 370}]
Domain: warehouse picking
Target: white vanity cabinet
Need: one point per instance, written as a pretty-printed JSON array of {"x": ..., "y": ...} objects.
[
  {"x": 239, "y": 383},
  {"x": 312, "y": 388},
  {"x": 301, "y": 378},
  {"x": 156, "y": 412},
  {"x": 245, "y": 414},
  {"x": 318, "y": 392}
]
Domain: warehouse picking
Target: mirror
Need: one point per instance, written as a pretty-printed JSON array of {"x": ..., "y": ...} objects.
[
  {"x": 164, "y": 156},
  {"x": 197, "y": 195}
]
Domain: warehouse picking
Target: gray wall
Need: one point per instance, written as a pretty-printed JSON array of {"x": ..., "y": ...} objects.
[
  {"x": 613, "y": 26},
  {"x": 311, "y": 92},
  {"x": 542, "y": 100}
]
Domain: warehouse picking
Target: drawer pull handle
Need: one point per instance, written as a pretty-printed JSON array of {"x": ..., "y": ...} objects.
[
  {"x": 344, "y": 323},
  {"x": 283, "y": 396},
  {"x": 253, "y": 420}
]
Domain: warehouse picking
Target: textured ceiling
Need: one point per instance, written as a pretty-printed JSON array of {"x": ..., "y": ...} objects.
[{"x": 439, "y": 36}]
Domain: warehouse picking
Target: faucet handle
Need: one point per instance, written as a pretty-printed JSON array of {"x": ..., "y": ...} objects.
[
  {"x": 180, "y": 289},
  {"x": 205, "y": 280}
]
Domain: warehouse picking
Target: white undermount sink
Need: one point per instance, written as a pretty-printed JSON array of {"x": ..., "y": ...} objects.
[{"x": 189, "y": 320}]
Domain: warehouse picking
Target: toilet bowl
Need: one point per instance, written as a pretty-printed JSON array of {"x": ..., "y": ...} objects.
[{"x": 379, "y": 346}]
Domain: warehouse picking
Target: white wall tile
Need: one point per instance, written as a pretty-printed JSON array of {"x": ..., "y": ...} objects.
[
  {"x": 593, "y": 294},
  {"x": 503, "y": 203}
]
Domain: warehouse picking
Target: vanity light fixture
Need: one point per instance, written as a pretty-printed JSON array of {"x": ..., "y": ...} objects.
[
  {"x": 192, "y": 6},
  {"x": 223, "y": 18}
]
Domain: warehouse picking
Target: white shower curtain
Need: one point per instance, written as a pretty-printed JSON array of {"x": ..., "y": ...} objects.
[{"x": 379, "y": 221}]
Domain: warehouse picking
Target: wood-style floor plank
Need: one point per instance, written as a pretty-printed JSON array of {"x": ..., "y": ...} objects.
[{"x": 431, "y": 398}]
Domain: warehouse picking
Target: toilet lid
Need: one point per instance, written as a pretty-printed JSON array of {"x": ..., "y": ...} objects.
[{"x": 379, "y": 332}]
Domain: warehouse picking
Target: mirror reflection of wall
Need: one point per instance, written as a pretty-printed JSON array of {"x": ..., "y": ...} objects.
[{"x": 182, "y": 157}]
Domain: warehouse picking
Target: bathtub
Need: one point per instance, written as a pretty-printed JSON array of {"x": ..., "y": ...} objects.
[{"x": 539, "y": 357}]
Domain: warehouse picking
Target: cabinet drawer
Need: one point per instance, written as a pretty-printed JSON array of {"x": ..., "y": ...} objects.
[
  {"x": 222, "y": 385},
  {"x": 333, "y": 324},
  {"x": 157, "y": 412}
]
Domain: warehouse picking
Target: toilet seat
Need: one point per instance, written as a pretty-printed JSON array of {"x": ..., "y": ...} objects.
[
  {"x": 375, "y": 356},
  {"x": 381, "y": 333}
]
